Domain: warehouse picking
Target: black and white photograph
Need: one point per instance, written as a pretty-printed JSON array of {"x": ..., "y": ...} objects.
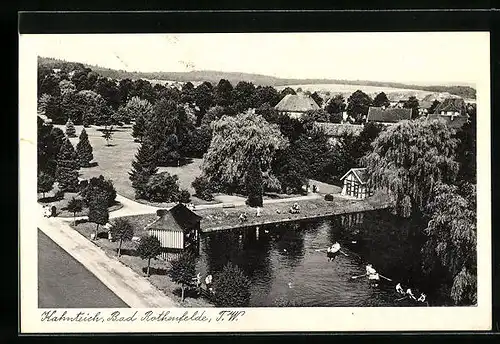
[{"x": 255, "y": 172}]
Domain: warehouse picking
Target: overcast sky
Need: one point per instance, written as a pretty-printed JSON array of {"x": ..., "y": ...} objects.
[{"x": 442, "y": 58}]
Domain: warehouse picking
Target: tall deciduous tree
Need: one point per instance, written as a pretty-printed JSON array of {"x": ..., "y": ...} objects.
[
  {"x": 149, "y": 248},
  {"x": 231, "y": 287},
  {"x": 381, "y": 100},
  {"x": 266, "y": 94},
  {"x": 224, "y": 93},
  {"x": 412, "y": 103},
  {"x": 162, "y": 187},
  {"x": 243, "y": 95},
  {"x": 235, "y": 142},
  {"x": 409, "y": 159},
  {"x": 84, "y": 150},
  {"x": 452, "y": 241},
  {"x": 67, "y": 167},
  {"x": 358, "y": 105},
  {"x": 143, "y": 167},
  {"x": 98, "y": 211},
  {"x": 121, "y": 230},
  {"x": 183, "y": 271}
]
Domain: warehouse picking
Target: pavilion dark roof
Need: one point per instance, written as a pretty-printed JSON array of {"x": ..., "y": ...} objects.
[
  {"x": 453, "y": 105},
  {"x": 175, "y": 219}
]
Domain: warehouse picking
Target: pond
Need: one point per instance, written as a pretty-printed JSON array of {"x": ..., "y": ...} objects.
[{"x": 285, "y": 267}]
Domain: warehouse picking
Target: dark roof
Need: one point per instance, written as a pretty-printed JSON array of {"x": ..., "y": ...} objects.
[
  {"x": 360, "y": 173},
  {"x": 452, "y": 121},
  {"x": 297, "y": 103},
  {"x": 176, "y": 219},
  {"x": 453, "y": 105},
  {"x": 337, "y": 129},
  {"x": 390, "y": 115}
]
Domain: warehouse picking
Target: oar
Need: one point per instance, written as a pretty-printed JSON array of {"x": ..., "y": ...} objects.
[
  {"x": 354, "y": 277},
  {"x": 345, "y": 254},
  {"x": 401, "y": 298},
  {"x": 385, "y": 277}
]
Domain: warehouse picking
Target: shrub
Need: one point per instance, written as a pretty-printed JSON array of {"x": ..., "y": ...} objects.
[
  {"x": 121, "y": 230},
  {"x": 162, "y": 187},
  {"x": 97, "y": 185},
  {"x": 328, "y": 197},
  {"x": 183, "y": 270},
  {"x": 203, "y": 188},
  {"x": 184, "y": 196},
  {"x": 232, "y": 287},
  {"x": 70, "y": 129},
  {"x": 149, "y": 248},
  {"x": 59, "y": 195}
]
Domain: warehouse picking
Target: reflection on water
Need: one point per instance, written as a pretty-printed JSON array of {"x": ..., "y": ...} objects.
[{"x": 283, "y": 262}]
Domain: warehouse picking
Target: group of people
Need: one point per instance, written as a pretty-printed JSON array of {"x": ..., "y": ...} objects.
[
  {"x": 409, "y": 293},
  {"x": 208, "y": 282},
  {"x": 243, "y": 217},
  {"x": 295, "y": 209}
]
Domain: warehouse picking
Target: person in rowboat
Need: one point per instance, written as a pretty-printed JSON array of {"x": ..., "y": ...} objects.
[
  {"x": 422, "y": 297},
  {"x": 410, "y": 294},
  {"x": 399, "y": 289},
  {"x": 331, "y": 251}
]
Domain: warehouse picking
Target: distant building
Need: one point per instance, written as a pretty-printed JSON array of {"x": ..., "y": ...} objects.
[
  {"x": 335, "y": 130},
  {"x": 356, "y": 183},
  {"x": 452, "y": 111},
  {"x": 177, "y": 229},
  {"x": 387, "y": 116},
  {"x": 295, "y": 105}
]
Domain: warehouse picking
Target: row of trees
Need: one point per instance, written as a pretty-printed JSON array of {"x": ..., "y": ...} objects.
[{"x": 430, "y": 171}]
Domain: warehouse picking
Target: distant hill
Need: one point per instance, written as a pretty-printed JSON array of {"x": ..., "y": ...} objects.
[{"x": 214, "y": 77}]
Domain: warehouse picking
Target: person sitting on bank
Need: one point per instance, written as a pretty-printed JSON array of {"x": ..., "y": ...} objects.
[
  {"x": 295, "y": 209},
  {"x": 243, "y": 217},
  {"x": 399, "y": 289},
  {"x": 410, "y": 294},
  {"x": 422, "y": 297}
]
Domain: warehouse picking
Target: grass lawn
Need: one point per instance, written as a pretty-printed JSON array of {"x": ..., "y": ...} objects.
[
  {"x": 271, "y": 212},
  {"x": 129, "y": 258},
  {"x": 63, "y": 203}
]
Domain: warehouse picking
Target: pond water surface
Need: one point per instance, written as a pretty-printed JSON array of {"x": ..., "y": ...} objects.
[{"x": 284, "y": 265}]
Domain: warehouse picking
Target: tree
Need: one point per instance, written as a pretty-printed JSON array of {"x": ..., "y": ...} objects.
[
  {"x": 317, "y": 98},
  {"x": 107, "y": 133},
  {"x": 84, "y": 150},
  {"x": 287, "y": 90},
  {"x": 381, "y": 100},
  {"x": 183, "y": 271},
  {"x": 139, "y": 128},
  {"x": 434, "y": 105},
  {"x": 187, "y": 93},
  {"x": 143, "y": 167},
  {"x": 231, "y": 287},
  {"x": 49, "y": 142},
  {"x": 67, "y": 167},
  {"x": 358, "y": 105},
  {"x": 99, "y": 185},
  {"x": 363, "y": 142},
  {"x": 184, "y": 196},
  {"x": 409, "y": 159},
  {"x": 224, "y": 93},
  {"x": 253, "y": 183},
  {"x": 162, "y": 187},
  {"x": 75, "y": 205},
  {"x": 335, "y": 105},
  {"x": 44, "y": 182},
  {"x": 204, "y": 98},
  {"x": 466, "y": 150},
  {"x": 98, "y": 211},
  {"x": 450, "y": 250},
  {"x": 121, "y": 230},
  {"x": 203, "y": 189},
  {"x": 149, "y": 248},
  {"x": 137, "y": 108},
  {"x": 266, "y": 94},
  {"x": 316, "y": 116},
  {"x": 412, "y": 103},
  {"x": 242, "y": 138},
  {"x": 243, "y": 96}
]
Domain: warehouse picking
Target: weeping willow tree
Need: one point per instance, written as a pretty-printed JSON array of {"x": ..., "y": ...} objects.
[
  {"x": 236, "y": 141},
  {"x": 451, "y": 241},
  {"x": 409, "y": 159}
]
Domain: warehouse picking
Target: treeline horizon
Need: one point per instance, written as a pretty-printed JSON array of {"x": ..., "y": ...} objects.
[{"x": 464, "y": 91}]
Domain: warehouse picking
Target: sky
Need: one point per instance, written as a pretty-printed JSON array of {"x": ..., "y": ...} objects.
[{"x": 420, "y": 58}]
